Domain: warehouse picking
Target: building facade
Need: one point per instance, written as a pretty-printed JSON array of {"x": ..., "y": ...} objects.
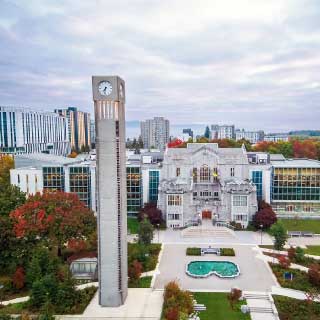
[
  {"x": 41, "y": 172},
  {"x": 79, "y": 128},
  {"x": 222, "y": 131},
  {"x": 275, "y": 137},
  {"x": 204, "y": 181},
  {"x": 252, "y": 136},
  {"x": 155, "y": 133},
  {"x": 109, "y": 104},
  {"x": 23, "y": 131}
]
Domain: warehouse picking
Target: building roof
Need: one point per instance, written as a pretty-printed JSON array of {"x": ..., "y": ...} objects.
[
  {"x": 296, "y": 163},
  {"x": 277, "y": 157}
]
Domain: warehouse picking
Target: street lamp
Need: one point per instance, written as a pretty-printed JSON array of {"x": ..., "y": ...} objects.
[
  {"x": 158, "y": 229},
  {"x": 261, "y": 226},
  {"x": 1, "y": 287}
]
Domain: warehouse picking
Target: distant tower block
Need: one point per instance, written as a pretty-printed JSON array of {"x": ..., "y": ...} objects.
[{"x": 109, "y": 100}]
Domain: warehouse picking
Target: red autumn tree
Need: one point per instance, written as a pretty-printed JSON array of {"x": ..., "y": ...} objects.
[
  {"x": 305, "y": 149},
  {"x": 314, "y": 275},
  {"x": 134, "y": 271},
  {"x": 265, "y": 217},
  {"x": 234, "y": 296},
  {"x": 291, "y": 253},
  {"x": 18, "y": 278},
  {"x": 172, "y": 314},
  {"x": 175, "y": 143},
  {"x": 55, "y": 218},
  {"x": 151, "y": 212}
]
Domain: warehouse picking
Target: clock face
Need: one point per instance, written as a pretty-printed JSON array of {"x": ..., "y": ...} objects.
[
  {"x": 105, "y": 88},
  {"x": 121, "y": 90}
]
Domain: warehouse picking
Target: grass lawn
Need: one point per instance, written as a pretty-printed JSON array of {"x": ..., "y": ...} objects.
[
  {"x": 144, "y": 282},
  {"x": 133, "y": 225},
  {"x": 301, "y": 225},
  {"x": 218, "y": 307},
  {"x": 16, "y": 308},
  {"x": 315, "y": 250},
  {"x": 265, "y": 246}
]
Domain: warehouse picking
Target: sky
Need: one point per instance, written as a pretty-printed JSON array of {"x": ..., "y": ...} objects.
[{"x": 255, "y": 64}]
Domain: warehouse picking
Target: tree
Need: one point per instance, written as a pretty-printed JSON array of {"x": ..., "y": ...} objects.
[
  {"x": 134, "y": 271},
  {"x": 175, "y": 143},
  {"x": 280, "y": 235},
  {"x": 234, "y": 296},
  {"x": 265, "y": 217},
  {"x": 145, "y": 232},
  {"x": 152, "y": 213},
  {"x": 207, "y": 133},
  {"x": 54, "y": 218},
  {"x": 6, "y": 163},
  {"x": 11, "y": 197},
  {"x": 299, "y": 257},
  {"x": 292, "y": 253}
]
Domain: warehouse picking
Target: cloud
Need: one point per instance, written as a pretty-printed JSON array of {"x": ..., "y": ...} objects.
[{"x": 251, "y": 63}]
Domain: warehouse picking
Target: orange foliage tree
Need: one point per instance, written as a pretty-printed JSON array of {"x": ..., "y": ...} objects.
[{"x": 55, "y": 218}]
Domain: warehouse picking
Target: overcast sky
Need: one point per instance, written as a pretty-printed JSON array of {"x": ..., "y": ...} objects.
[{"x": 252, "y": 63}]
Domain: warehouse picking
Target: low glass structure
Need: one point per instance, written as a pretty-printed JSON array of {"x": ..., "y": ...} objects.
[
  {"x": 85, "y": 269},
  {"x": 204, "y": 269}
]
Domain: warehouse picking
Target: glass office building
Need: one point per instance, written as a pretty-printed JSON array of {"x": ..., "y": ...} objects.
[
  {"x": 134, "y": 190},
  {"x": 153, "y": 185},
  {"x": 80, "y": 183},
  {"x": 256, "y": 177}
]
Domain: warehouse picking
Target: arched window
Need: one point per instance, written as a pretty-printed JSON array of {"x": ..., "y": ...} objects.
[{"x": 204, "y": 173}]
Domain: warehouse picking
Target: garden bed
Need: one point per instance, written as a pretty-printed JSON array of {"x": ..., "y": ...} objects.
[
  {"x": 300, "y": 278},
  {"x": 147, "y": 255},
  {"x": 293, "y": 309}
]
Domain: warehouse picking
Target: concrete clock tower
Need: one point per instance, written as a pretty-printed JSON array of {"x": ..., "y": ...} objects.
[{"x": 109, "y": 102}]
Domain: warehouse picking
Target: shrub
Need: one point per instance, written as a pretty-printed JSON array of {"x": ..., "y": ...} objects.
[
  {"x": 284, "y": 262},
  {"x": 134, "y": 271},
  {"x": 234, "y": 296},
  {"x": 227, "y": 252},
  {"x": 299, "y": 257},
  {"x": 314, "y": 275},
  {"x": 177, "y": 303},
  {"x": 237, "y": 226},
  {"x": 193, "y": 252},
  {"x": 145, "y": 233},
  {"x": 19, "y": 278},
  {"x": 292, "y": 253}
]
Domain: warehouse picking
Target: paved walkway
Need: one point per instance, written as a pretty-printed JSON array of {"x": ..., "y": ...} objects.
[
  {"x": 291, "y": 293},
  {"x": 140, "y": 304}
]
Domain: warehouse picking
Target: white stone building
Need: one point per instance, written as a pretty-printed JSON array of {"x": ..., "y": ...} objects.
[{"x": 204, "y": 181}]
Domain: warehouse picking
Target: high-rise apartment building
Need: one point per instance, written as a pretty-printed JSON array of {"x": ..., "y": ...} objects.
[
  {"x": 251, "y": 136},
  {"x": 92, "y": 133},
  {"x": 79, "y": 128},
  {"x": 222, "y": 131},
  {"x": 26, "y": 131},
  {"x": 109, "y": 105},
  {"x": 155, "y": 133}
]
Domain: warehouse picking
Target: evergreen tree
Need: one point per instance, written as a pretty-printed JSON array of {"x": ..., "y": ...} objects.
[
  {"x": 145, "y": 232},
  {"x": 280, "y": 235}
]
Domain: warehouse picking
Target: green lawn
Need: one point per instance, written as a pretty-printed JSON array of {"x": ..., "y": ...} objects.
[
  {"x": 301, "y": 225},
  {"x": 218, "y": 307},
  {"x": 315, "y": 250},
  {"x": 16, "y": 308},
  {"x": 133, "y": 225},
  {"x": 144, "y": 282}
]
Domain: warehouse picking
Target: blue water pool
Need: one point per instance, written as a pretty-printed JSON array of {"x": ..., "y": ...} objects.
[{"x": 202, "y": 269}]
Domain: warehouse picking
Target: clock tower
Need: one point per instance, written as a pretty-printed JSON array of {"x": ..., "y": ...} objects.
[{"x": 109, "y": 106}]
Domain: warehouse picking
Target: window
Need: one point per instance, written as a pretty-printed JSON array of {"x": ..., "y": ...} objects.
[
  {"x": 205, "y": 193},
  {"x": 174, "y": 200},
  {"x": 216, "y": 194},
  {"x": 257, "y": 180},
  {"x": 290, "y": 208},
  {"x": 80, "y": 183},
  {"x": 153, "y": 186},
  {"x": 204, "y": 174},
  {"x": 239, "y": 201},
  {"x": 178, "y": 172},
  {"x": 18, "y": 178},
  {"x": 195, "y": 193},
  {"x": 240, "y": 217},
  {"x": 215, "y": 174},
  {"x": 173, "y": 216},
  {"x": 195, "y": 175},
  {"x": 232, "y": 172}
]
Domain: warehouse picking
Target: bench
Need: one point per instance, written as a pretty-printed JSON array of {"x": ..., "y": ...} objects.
[
  {"x": 300, "y": 234},
  {"x": 210, "y": 251}
]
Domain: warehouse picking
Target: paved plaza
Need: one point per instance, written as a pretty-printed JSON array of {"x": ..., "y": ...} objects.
[{"x": 255, "y": 274}]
